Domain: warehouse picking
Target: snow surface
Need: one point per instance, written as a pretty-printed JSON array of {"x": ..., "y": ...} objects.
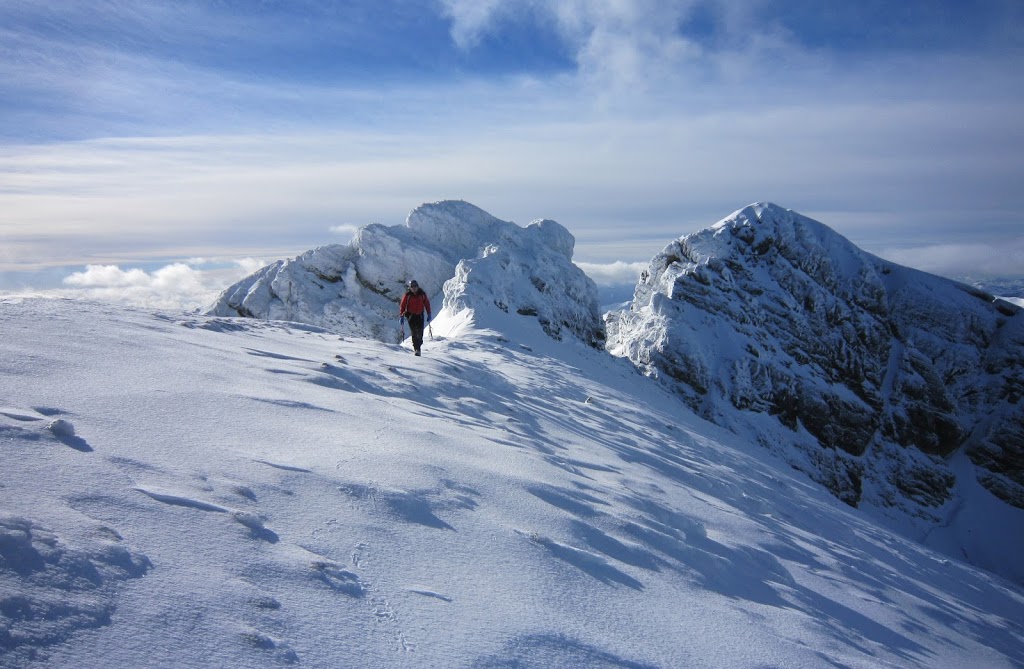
[{"x": 195, "y": 491}]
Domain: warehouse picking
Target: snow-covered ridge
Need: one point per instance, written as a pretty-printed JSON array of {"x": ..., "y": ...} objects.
[
  {"x": 354, "y": 289},
  {"x": 771, "y": 323},
  {"x": 190, "y": 491},
  {"x": 897, "y": 390}
]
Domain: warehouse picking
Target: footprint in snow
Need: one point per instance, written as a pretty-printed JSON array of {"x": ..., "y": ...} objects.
[
  {"x": 260, "y": 641},
  {"x": 339, "y": 578},
  {"x": 244, "y": 491},
  {"x": 265, "y": 603},
  {"x": 132, "y": 465}
]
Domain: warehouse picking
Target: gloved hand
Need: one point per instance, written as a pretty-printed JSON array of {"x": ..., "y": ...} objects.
[{"x": 429, "y": 317}]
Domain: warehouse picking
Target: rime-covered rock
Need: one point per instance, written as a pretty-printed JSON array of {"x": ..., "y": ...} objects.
[
  {"x": 354, "y": 289},
  {"x": 879, "y": 375},
  {"x": 530, "y": 275}
]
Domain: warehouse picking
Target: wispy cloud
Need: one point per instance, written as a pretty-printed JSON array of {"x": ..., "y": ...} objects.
[
  {"x": 471, "y": 19},
  {"x": 199, "y": 131},
  {"x": 346, "y": 230},
  {"x": 1005, "y": 258},
  {"x": 656, "y": 177},
  {"x": 615, "y": 44}
]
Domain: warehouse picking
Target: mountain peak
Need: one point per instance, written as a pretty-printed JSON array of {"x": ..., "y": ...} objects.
[
  {"x": 757, "y": 212},
  {"x": 762, "y": 227},
  {"x": 773, "y": 324},
  {"x": 453, "y": 224}
]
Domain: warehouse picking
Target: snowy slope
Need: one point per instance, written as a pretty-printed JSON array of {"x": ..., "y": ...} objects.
[
  {"x": 194, "y": 491},
  {"x": 898, "y": 390}
]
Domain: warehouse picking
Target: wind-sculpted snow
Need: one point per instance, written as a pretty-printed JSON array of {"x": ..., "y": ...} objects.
[
  {"x": 263, "y": 494},
  {"x": 881, "y": 374},
  {"x": 50, "y": 589},
  {"x": 355, "y": 289}
]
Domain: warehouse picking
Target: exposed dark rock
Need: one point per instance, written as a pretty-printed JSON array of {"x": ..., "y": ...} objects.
[{"x": 769, "y": 312}]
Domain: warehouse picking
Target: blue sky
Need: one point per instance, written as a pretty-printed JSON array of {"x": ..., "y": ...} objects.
[{"x": 142, "y": 134}]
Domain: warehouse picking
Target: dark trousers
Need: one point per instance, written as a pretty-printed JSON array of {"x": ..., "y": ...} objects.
[{"x": 416, "y": 330}]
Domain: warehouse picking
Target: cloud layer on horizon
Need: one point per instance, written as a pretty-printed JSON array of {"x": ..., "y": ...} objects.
[
  {"x": 625, "y": 127},
  {"x": 182, "y": 285}
]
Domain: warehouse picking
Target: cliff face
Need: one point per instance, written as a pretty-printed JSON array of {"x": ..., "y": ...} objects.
[{"x": 880, "y": 375}]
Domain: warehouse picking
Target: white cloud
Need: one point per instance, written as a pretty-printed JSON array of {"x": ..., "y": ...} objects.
[
  {"x": 346, "y": 230},
  {"x": 1005, "y": 258},
  {"x": 628, "y": 52},
  {"x": 613, "y": 274},
  {"x": 471, "y": 19},
  {"x": 608, "y": 180},
  {"x": 174, "y": 286},
  {"x": 250, "y": 265},
  {"x": 630, "y": 45},
  {"x": 110, "y": 276},
  {"x": 617, "y": 45},
  {"x": 641, "y": 146}
]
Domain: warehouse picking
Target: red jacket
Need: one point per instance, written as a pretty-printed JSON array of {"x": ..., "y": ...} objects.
[{"x": 414, "y": 303}]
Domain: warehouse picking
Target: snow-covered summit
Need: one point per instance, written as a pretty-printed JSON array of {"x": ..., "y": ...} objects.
[
  {"x": 900, "y": 390},
  {"x": 355, "y": 288}
]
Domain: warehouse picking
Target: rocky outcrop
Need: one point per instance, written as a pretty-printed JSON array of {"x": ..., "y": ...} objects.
[
  {"x": 531, "y": 275},
  {"x": 355, "y": 289},
  {"x": 878, "y": 373}
]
